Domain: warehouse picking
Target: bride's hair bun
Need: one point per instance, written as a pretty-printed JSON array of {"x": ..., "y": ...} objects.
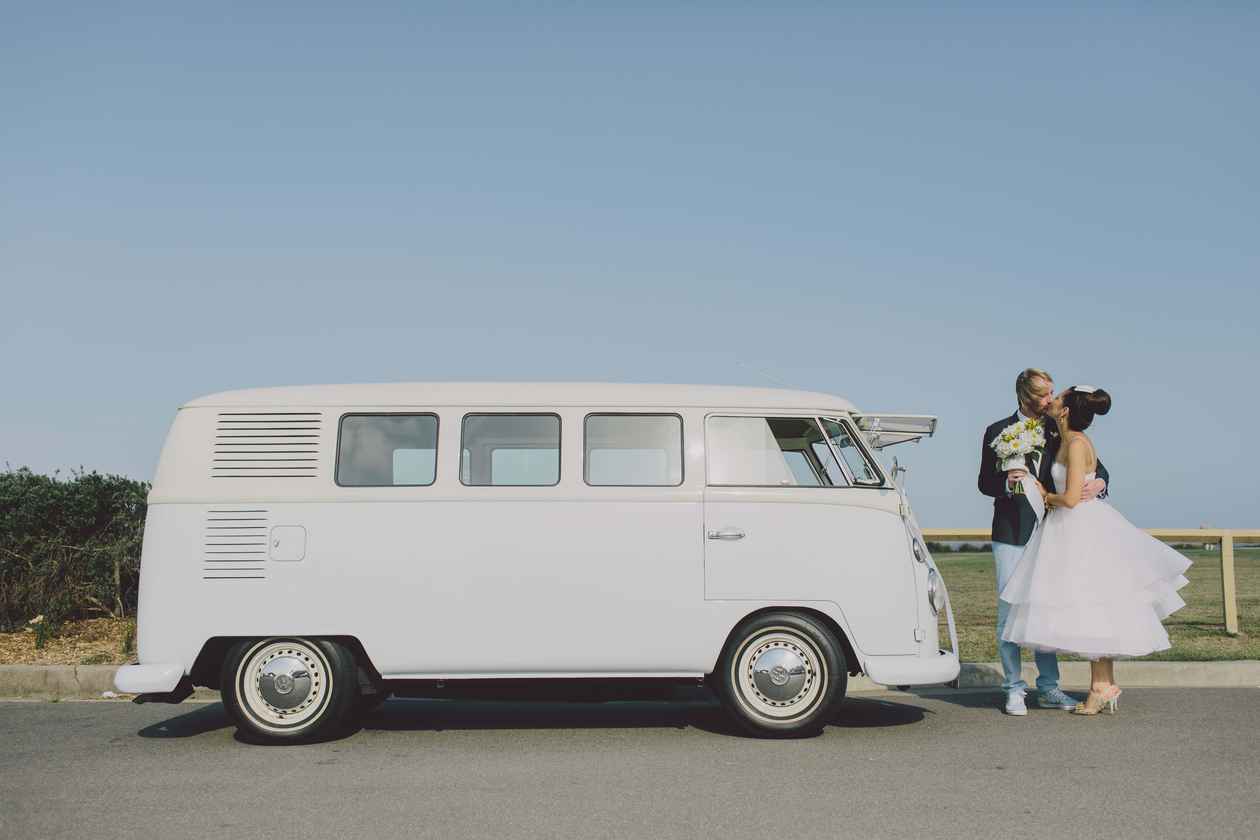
[
  {"x": 1100, "y": 401},
  {"x": 1083, "y": 403}
]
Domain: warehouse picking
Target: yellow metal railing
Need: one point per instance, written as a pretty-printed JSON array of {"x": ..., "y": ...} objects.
[{"x": 1225, "y": 537}]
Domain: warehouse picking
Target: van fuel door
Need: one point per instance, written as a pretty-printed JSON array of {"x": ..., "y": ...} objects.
[{"x": 287, "y": 543}]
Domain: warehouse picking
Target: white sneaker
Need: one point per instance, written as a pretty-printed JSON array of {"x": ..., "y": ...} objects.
[{"x": 1015, "y": 703}]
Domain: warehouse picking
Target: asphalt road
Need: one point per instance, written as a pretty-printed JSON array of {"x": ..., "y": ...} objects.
[{"x": 1172, "y": 763}]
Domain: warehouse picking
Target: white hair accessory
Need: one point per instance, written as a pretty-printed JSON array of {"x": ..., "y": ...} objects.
[{"x": 1085, "y": 389}]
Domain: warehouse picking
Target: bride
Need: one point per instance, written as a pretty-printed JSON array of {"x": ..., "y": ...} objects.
[{"x": 1090, "y": 583}]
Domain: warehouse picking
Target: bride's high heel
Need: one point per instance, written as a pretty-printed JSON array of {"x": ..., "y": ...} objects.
[{"x": 1110, "y": 701}]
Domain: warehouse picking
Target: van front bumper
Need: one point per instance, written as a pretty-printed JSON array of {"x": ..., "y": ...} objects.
[
  {"x": 148, "y": 679},
  {"x": 913, "y": 670}
]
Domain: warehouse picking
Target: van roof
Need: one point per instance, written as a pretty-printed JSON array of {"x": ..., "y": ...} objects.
[{"x": 525, "y": 394}]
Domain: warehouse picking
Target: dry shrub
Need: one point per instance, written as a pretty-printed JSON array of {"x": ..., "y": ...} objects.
[{"x": 69, "y": 548}]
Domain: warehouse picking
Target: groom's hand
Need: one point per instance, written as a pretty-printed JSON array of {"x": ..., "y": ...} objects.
[
  {"x": 1092, "y": 488},
  {"x": 1013, "y": 478}
]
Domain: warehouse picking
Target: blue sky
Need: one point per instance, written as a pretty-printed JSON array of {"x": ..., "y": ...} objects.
[{"x": 905, "y": 206}]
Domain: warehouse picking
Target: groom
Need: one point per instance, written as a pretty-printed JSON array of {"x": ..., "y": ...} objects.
[{"x": 1013, "y": 523}]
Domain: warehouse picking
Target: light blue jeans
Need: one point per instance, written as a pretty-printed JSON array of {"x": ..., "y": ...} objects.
[{"x": 1006, "y": 557}]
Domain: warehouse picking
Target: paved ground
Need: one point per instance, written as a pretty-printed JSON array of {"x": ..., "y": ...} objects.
[{"x": 1172, "y": 763}]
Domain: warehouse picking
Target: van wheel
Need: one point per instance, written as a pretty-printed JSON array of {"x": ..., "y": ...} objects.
[
  {"x": 781, "y": 675},
  {"x": 283, "y": 690}
]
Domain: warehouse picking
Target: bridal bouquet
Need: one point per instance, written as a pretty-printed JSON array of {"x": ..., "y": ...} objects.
[{"x": 1016, "y": 441}]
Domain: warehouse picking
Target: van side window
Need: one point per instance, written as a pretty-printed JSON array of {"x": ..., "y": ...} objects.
[
  {"x": 510, "y": 450},
  {"x": 387, "y": 450},
  {"x": 770, "y": 452},
  {"x": 859, "y": 465},
  {"x": 633, "y": 450}
]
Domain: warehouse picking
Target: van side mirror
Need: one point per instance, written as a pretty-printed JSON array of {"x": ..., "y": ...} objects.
[{"x": 897, "y": 472}]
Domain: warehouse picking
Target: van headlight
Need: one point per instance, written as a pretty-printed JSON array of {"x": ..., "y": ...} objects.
[
  {"x": 936, "y": 591},
  {"x": 920, "y": 553}
]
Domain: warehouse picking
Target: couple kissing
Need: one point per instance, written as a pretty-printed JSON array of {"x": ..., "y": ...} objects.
[{"x": 1073, "y": 575}]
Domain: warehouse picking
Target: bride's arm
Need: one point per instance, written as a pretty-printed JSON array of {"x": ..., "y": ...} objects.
[{"x": 1077, "y": 453}]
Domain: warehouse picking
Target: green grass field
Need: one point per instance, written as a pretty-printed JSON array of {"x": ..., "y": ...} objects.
[{"x": 1197, "y": 631}]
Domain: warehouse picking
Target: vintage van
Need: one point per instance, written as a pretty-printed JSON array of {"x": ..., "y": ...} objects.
[{"x": 310, "y": 550}]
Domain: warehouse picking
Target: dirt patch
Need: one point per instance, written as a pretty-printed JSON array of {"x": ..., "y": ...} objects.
[{"x": 95, "y": 641}]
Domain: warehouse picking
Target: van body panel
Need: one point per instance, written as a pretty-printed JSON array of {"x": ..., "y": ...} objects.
[
  {"x": 802, "y": 541},
  {"x": 517, "y": 586},
  {"x": 446, "y": 586}
]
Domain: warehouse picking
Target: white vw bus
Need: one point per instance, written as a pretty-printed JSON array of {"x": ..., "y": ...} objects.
[{"x": 310, "y": 550}]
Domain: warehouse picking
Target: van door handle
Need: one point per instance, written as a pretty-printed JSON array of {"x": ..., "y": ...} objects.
[{"x": 726, "y": 534}]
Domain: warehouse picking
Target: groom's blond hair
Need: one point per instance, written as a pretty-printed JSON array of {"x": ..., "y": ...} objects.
[{"x": 1023, "y": 383}]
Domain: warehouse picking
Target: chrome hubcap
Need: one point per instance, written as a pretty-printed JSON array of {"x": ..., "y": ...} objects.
[
  {"x": 284, "y": 682},
  {"x": 779, "y": 673}
]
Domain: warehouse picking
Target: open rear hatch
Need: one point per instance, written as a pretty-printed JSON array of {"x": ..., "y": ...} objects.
[{"x": 884, "y": 430}]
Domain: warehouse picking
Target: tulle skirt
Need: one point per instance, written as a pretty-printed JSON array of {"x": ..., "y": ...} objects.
[{"x": 1093, "y": 584}]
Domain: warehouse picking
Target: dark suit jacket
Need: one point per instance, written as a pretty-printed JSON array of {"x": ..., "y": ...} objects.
[{"x": 1013, "y": 517}]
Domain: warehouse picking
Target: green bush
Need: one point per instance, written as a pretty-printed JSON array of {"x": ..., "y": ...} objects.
[{"x": 69, "y": 548}]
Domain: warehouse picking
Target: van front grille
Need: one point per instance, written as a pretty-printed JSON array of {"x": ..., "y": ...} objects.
[
  {"x": 234, "y": 544},
  {"x": 266, "y": 445}
]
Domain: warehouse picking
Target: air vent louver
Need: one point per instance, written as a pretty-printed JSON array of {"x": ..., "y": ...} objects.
[
  {"x": 235, "y": 545},
  {"x": 266, "y": 445}
]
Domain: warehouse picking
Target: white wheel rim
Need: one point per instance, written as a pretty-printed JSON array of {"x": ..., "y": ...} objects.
[
  {"x": 258, "y": 663},
  {"x": 780, "y": 645}
]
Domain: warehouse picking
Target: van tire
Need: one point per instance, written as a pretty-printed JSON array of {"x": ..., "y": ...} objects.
[
  {"x": 801, "y": 675},
  {"x": 289, "y": 689}
]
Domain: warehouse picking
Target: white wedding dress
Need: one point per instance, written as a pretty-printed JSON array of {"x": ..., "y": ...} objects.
[{"x": 1093, "y": 584}]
